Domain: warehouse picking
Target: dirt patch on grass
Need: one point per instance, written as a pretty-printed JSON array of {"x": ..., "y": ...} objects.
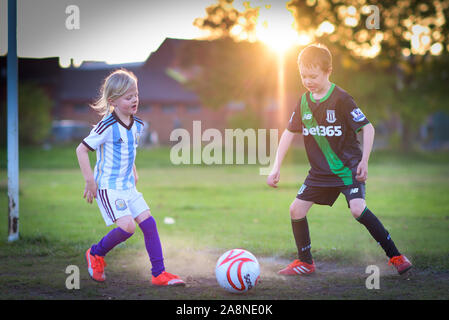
[
  {"x": 332, "y": 280},
  {"x": 129, "y": 273}
]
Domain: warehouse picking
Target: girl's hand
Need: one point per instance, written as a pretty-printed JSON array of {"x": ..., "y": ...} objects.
[
  {"x": 90, "y": 191},
  {"x": 273, "y": 178}
]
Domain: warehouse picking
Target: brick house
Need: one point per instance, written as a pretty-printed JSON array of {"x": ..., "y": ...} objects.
[{"x": 165, "y": 103}]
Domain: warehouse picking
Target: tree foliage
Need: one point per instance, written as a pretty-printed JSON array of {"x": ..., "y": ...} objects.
[
  {"x": 392, "y": 56},
  {"x": 226, "y": 72},
  {"x": 222, "y": 20},
  {"x": 34, "y": 114},
  {"x": 411, "y": 41},
  {"x": 381, "y": 29}
]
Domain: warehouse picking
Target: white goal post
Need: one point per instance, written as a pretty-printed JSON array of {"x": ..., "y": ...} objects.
[{"x": 12, "y": 124}]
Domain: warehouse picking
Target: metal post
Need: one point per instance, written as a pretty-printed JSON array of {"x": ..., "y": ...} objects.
[{"x": 13, "y": 124}]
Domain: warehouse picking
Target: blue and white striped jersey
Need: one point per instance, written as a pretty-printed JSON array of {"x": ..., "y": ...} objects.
[{"x": 115, "y": 144}]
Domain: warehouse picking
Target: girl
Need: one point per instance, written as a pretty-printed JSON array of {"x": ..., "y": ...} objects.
[{"x": 113, "y": 182}]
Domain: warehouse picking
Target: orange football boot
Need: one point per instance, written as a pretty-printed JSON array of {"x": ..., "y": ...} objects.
[
  {"x": 298, "y": 267},
  {"x": 167, "y": 279},
  {"x": 401, "y": 263},
  {"x": 95, "y": 266}
]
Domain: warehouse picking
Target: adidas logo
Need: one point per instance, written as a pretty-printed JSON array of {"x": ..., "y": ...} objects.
[{"x": 120, "y": 140}]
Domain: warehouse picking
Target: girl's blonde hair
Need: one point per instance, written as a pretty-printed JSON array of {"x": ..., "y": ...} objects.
[{"x": 114, "y": 86}]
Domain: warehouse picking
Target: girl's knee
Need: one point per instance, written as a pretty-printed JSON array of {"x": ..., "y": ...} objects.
[
  {"x": 130, "y": 227},
  {"x": 143, "y": 216},
  {"x": 127, "y": 224}
]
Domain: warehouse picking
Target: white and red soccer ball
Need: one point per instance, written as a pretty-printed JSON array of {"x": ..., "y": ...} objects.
[{"x": 237, "y": 271}]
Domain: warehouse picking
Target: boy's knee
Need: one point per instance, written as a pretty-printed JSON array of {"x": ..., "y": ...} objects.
[
  {"x": 296, "y": 212},
  {"x": 357, "y": 208}
]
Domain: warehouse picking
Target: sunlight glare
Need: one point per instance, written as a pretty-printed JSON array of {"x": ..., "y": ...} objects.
[
  {"x": 436, "y": 49},
  {"x": 275, "y": 28},
  {"x": 325, "y": 27}
]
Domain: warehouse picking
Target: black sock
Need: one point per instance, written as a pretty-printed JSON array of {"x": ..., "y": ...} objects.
[
  {"x": 378, "y": 232},
  {"x": 302, "y": 238}
]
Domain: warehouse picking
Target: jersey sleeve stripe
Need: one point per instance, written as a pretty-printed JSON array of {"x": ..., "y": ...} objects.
[
  {"x": 138, "y": 120},
  {"x": 106, "y": 126},
  {"x": 103, "y": 123},
  {"x": 88, "y": 146}
]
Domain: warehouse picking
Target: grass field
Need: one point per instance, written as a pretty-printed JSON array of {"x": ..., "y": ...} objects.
[{"x": 217, "y": 208}]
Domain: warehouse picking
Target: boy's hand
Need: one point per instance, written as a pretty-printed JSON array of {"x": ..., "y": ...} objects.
[
  {"x": 90, "y": 191},
  {"x": 273, "y": 179},
  {"x": 362, "y": 171}
]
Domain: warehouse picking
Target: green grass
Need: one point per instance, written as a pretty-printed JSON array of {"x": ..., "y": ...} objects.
[{"x": 217, "y": 208}]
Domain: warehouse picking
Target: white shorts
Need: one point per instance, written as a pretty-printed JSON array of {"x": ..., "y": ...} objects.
[{"x": 115, "y": 204}]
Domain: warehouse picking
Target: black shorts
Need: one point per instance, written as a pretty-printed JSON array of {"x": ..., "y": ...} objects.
[{"x": 328, "y": 195}]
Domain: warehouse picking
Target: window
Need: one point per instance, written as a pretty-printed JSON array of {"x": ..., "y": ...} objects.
[
  {"x": 193, "y": 109},
  {"x": 80, "y": 108},
  {"x": 168, "y": 108},
  {"x": 145, "y": 108}
]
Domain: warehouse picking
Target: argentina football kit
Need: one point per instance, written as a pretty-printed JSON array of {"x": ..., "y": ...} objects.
[
  {"x": 115, "y": 144},
  {"x": 329, "y": 127}
]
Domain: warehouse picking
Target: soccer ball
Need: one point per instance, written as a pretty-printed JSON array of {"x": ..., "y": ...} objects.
[{"x": 237, "y": 271}]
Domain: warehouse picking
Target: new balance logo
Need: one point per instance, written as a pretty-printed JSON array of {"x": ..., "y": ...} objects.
[
  {"x": 354, "y": 190},
  {"x": 301, "y": 190},
  {"x": 307, "y": 116}
]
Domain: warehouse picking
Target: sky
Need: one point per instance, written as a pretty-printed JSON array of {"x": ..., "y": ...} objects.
[
  {"x": 118, "y": 31},
  {"x": 114, "y": 31}
]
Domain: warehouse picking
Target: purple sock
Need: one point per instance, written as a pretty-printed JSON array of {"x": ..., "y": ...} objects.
[
  {"x": 109, "y": 241},
  {"x": 153, "y": 245}
]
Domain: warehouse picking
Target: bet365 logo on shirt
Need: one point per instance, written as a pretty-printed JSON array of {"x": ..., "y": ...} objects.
[{"x": 324, "y": 131}]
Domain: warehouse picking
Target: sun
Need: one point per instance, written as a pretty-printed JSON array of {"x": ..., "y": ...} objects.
[
  {"x": 275, "y": 29},
  {"x": 278, "y": 40}
]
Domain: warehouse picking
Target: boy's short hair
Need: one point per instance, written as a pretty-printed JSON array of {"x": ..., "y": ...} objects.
[{"x": 316, "y": 55}]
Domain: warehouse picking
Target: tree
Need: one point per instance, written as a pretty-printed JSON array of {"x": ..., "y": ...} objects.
[
  {"x": 229, "y": 71},
  {"x": 406, "y": 39},
  {"x": 224, "y": 21},
  {"x": 34, "y": 114},
  {"x": 232, "y": 68},
  {"x": 389, "y": 54}
]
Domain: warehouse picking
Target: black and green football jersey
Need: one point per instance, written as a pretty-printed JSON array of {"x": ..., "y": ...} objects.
[{"x": 329, "y": 127}]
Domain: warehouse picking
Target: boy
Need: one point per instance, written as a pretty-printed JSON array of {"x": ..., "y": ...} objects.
[{"x": 329, "y": 119}]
